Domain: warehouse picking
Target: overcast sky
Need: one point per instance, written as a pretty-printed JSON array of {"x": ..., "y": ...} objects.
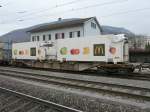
[{"x": 131, "y": 14}]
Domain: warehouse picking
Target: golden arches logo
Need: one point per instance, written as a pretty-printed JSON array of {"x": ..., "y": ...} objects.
[{"x": 99, "y": 50}]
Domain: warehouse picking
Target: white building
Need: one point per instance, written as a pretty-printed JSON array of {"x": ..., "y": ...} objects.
[{"x": 66, "y": 28}]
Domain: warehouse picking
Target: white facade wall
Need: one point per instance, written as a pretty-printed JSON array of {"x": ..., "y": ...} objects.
[
  {"x": 89, "y": 31},
  {"x": 85, "y": 30},
  {"x": 23, "y": 51},
  {"x": 53, "y": 32}
]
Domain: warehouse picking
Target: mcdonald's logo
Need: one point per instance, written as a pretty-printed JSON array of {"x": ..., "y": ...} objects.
[{"x": 99, "y": 50}]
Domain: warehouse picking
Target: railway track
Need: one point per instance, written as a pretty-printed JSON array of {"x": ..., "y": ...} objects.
[
  {"x": 12, "y": 101},
  {"x": 134, "y": 76},
  {"x": 137, "y": 94}
]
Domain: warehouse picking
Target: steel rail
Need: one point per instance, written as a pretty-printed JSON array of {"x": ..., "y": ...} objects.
[
  {"x": 115, "y": 89},
  {"x": 130, "y": 76},
  {"x": 56, "y": 106},
  {"x": 134, "y": 76}
]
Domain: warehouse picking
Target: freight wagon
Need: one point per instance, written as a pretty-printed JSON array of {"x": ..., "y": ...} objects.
[
  {"x": 5, "y": 52},
  {"x": 107, "y": 52}
]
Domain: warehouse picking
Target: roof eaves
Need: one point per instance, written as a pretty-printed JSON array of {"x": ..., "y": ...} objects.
[
  {"x": 57, "y": 24},
  {"x": 98, "y": 24},
  {"x": 46, "y": 29}
]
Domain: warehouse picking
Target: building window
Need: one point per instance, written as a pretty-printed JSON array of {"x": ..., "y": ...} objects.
[
  {"x": 56, "y": 36},
  {"x": 70, "y": 34},
  {"x": 78, "y": 33},
  {"x": 38, "y": 38},
  {"x": 32, "y": 51},
  {"x": 33, "y": 38},
  {"x": 63, "y": 35},
  {"x": 43, "y": 37},
  {"x": 49, "y": 37},
  {"x": 93, "y": 25},
  {"x": 59, "y": 36}
]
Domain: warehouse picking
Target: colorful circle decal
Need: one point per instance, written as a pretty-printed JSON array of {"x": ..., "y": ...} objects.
[
  {"x": 112, "y": 50},
  {"x": 75, "y": 51},
  {"x": 21, "y": 52},
  {"x": 63, "y": 51},
  {"x": 26, "y": 52},
  {"x": 15, "y": 52},
  {"x": 86, "y": 50}
]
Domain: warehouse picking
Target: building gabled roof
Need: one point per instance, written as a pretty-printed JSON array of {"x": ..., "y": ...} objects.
[{"x": 63, "y": 23}]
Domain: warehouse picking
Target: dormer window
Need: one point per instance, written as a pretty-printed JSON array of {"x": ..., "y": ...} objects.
[
  {"x": 93, "y": 25},
  {"x": 33, "y": 38}
]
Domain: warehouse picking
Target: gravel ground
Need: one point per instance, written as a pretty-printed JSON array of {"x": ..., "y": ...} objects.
[
  {"x": 76, "y": 99},
  {"x": 12, "y": 103}
]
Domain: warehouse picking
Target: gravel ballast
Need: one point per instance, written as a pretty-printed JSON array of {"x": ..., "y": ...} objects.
[{"x": 78, "y": 99}]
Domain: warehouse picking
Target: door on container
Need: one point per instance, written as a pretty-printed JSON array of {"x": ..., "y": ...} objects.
[
  {"x": 50, "y": 51},
  {"x": 126, "y": 52}
]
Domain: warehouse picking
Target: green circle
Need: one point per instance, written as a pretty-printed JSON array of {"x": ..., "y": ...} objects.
[
  {"x": 15, "y": 52},
  {"x": 63, "y": 51}
]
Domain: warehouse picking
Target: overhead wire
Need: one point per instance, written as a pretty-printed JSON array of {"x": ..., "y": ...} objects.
[
  {"x": 35, "y": 11},
  {"x": 53, "y": 7},
  {"x": 89, "y": 6},
  {"x": 47, "y": 9},
  {"x": 7, "y": 3},
  {"x": 126, "y": 12},
  {"x": 71, "y": 10}
]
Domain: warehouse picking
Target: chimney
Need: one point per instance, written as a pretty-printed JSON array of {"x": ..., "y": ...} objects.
[{"x": 59, "y": 19}]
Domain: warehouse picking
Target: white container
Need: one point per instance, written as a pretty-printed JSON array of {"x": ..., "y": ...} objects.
[
  {"x": 27, "y": 51},
  {"x": 34, "y": 51},
  {"x": 106, "y": 48},
  {"x": 96, "y": 48}
]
